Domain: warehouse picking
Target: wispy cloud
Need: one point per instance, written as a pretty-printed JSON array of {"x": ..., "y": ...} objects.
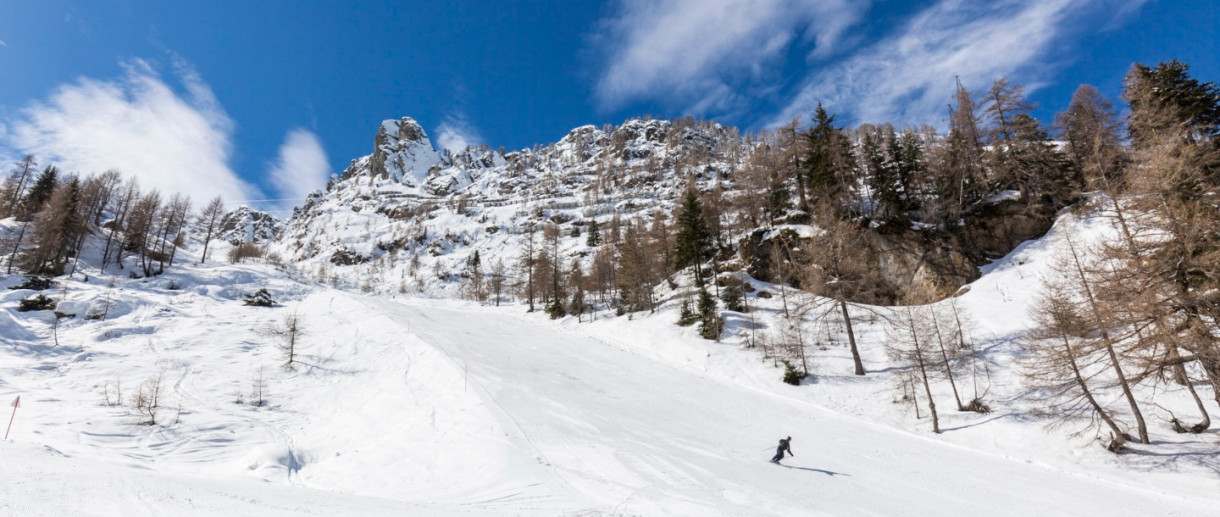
[
  {"x": 456, "y": 133},
  {"x": 3, "y": 44},
  {"x": 723, "y": 58},
  {"x": 171, "y": 140},
  {"x": 300, "y": 168},
  {"x": 909, "y": 76},
  {"x": 705, "y": 55}
]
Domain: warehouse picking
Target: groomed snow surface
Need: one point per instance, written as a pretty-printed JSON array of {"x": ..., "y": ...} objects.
[{"x": 413, "y": 406}]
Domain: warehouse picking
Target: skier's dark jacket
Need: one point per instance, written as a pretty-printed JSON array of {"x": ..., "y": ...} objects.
[{"x": 783, "y": 446}]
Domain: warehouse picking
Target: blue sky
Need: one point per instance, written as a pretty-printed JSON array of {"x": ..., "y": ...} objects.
[{"x": 263, "y": 100}]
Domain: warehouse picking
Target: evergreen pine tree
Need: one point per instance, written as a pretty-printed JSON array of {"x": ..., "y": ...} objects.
[
  {"x": 1166, "y": 95},
  {"x": 693, "y": 238},
  {"x": 40, "y": 192},
  {"x": 821, "y": 164},
  {"x": 594, "y": 237},
  {"x": 56, "y": 231},
  {"x": 710, "y": 323}
]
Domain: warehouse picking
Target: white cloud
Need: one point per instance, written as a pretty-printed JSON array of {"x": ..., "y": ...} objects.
[
  {"x": 706, "y": 54},
  {"x": 456, "y": 133},
  {"x": 140, "y": 125},
  {"x": 908, "y": 77},
  {"x": 301, "y": 167}
]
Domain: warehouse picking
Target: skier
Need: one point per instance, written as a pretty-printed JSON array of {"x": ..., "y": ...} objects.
[{"x": 784, "y": 445}]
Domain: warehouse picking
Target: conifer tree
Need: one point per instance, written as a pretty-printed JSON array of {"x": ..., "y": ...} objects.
[
  {"x": 56, "y": 230},
  {"x": 474, "y": 271},
  {"x": 1165, "y": 98},
  {"x": 823, "y": 138},
  {"x": 594, "y": 238},
  {"x": 692, "y": 240},
  {"x": 31, "y": 204},
  {"x": 710, "y": 324},
  {"x": 40, "y": 192}
]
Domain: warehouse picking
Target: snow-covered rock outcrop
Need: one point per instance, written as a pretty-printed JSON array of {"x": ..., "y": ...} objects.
[
  {"x": 402, "y": 152},
  {"x": 248, "y": 225}
]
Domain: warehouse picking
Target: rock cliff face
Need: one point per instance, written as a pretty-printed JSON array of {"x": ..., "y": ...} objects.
[
  {"x": 908, "y": 265},
  {"x": 999, "y": 227},
  {"x": 247, "y": 225},
  {"x": 916, "y": 265},
  {"x": 916, "y": 268}
]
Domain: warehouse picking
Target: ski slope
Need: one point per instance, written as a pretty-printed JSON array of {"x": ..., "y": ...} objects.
[
  {"x": 627, "y": 434},
  {"x": 413, "y": 406}
]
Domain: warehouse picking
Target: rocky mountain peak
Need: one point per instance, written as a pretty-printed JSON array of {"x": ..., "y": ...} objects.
[{"x": 402, "y": 152}]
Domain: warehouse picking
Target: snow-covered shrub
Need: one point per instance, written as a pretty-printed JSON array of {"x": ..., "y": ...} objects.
[
  {"x": 792, "y": 375},
  {"x": 259, "y": 298},
  {"x": 556, "y": 310},
  {"x": 39, "y": 302},
  {"x": 731, "y": 295},
  {"x": 35, "y": 283}
]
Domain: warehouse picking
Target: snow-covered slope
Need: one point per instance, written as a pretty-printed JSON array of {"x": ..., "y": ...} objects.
[{"x": 404, "y": 405}]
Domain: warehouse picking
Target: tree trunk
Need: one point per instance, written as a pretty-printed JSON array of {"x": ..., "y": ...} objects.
[
  {"x": 783, "y": 296},
  {"x": 16, "y": 246},
  {"x": 923, "y": 372},
  {"x": 948, "y": 367},
  {"x": 1141, "y": 427},
  {"x": 1084, "y": 388},
  {"x": 961, "y": 345},
  {"x": 1180, "y": 371},
  {"x": 851, "y": 339}
]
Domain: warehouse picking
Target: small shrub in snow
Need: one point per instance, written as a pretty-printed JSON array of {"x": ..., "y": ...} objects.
[
  {"x": 686, "y": 315},
  {"x": 731, "y": 295},
  {"x": 36, "y": 303},
  {"x": 258, "y": 387},
  {"x": 244, "y": 251},
  {"x": 147, "y": 400},
  {"x": 259, "y": 298},
  {"x": 556, "y": 310},
  {"x": 112, "y": 397},
  {"x": 792, "y": 375},
  {"x": 978, "y": 406},
  {"x": 35, "y": 283},
  {"x": 711, "y": 327}
]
